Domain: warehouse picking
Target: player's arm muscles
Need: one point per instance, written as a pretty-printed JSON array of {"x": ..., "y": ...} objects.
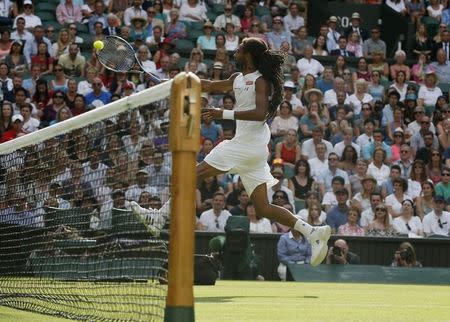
[
  {"x": 218, "y": 86},
  {"x": 259, "y": 113}
]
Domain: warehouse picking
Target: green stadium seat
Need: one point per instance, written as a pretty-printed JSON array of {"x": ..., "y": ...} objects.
[
  {"x": 194, "y": 34},
  {"x": 45, "y": 6},
  {"x": 288, "y": 172},
  {"x": 211, "y": 16},
  {"x": 47, "y": 16},
  {"x": 299, "y": 204},
  {"x": 262, "y": 11},
  {"x": 445, "y": 88},
  {"x": 183, "y": 46},
  {"x": 82, "y": 28},
  {"x": 196, "y": 25},
  {"x": 218, "y": 8}
]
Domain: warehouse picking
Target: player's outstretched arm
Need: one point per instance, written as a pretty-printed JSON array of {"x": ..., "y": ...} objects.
[{"x": 218, "y": 86}]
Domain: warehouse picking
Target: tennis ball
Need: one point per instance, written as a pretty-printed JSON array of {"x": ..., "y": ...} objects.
[{"x": 98, "y": 45}]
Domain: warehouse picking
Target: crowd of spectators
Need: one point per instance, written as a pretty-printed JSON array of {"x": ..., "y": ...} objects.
[{"x": 364, "y": 149}]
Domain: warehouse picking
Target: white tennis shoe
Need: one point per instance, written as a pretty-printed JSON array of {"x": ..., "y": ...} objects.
[{"x": 319, "y": 244}]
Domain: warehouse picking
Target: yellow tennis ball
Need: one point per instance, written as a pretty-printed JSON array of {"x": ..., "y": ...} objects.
[{"x": 98, "y": 45}]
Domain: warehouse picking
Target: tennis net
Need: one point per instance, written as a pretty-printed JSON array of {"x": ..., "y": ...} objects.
[{"x": 70, "y": 244}]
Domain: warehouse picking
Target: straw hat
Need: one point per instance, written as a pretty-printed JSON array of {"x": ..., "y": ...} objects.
[
  {"x": 139, "y": 18},
  {"x": 313, "y": 91}
]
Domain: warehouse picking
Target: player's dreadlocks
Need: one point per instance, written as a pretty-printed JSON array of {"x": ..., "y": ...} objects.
[{"x": 269, "y": 63}]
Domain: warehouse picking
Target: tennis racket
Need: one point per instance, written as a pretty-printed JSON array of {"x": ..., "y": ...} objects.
[{"x": 119, "y": 56}]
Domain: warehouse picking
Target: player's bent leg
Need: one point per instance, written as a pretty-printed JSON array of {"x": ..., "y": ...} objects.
[
  {"x": 204, "y": 170},
  {"x": 317, "y": 236}
]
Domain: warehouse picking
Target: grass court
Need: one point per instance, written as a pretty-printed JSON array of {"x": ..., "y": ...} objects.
[{"x": 239, "y": 301}]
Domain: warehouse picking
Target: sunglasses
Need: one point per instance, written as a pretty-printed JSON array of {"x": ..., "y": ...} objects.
[
  {"x": 332, "y": 159},
  {"x": 278, "y": 196},
  {"x": 59, "y": 96},
  {"x": 418, "y": 112},
  {"x": 446, "y": 174},
  {"x": 398, "y": 136},
  {"x": 151, "y": 12},
  {"x": 50, "y": 30},
  {"x": 404, "y": 151},
  {"x": 408, "y": 227},
  {"x": 424, "y": 122},
  {"x": 217, "y": 224},
  {"x": 441, "y": 224},
  {"x": 347, "y": 73},
  {"x": 366, "y": 109},
  {"x": 381, "y": 209},
  {"x": 58, "y": 69},
  {"x": 435, "y": 154}
]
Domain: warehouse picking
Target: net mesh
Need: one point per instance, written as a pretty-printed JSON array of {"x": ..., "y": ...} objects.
[
  {"x": 116, "y": 54},
  {"x": 70, "y": 242}
]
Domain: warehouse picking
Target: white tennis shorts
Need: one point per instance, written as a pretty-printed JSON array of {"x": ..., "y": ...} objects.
[{"x": 249, "y": 161}]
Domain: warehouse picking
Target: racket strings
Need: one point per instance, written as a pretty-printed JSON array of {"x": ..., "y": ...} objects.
[{"x": 116, "y": 55}]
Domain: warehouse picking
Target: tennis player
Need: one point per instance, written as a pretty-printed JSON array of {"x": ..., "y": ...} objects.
[{"x": 259, "y": 91}]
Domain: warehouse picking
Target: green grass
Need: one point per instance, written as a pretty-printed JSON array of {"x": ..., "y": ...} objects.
[{"x": 276, "y": 301}]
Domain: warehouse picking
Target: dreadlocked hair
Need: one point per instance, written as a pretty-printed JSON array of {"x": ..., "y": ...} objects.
[{"x": 269, "y": 63}]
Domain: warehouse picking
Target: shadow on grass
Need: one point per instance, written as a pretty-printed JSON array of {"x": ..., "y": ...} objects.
[{"x": 224, "y": 299}]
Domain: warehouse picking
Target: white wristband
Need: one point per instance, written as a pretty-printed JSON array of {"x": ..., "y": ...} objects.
[{"x": 228, "y": 115}]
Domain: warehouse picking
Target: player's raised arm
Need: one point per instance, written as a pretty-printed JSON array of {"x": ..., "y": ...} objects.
[{"x": 218, "y": 86}]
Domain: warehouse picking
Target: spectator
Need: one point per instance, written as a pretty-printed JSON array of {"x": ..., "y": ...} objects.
[
  {"x": 156, "y": 38},
  {"x": 320, "y": 46},
  {"x": 241, "y": 208},
  {"x": 30, "y": 124},
  {"x": 193, "y": 11},
  {"x": 437, "y": 222},
  {"x": 301, "y": 182},
  {"x": 337, "y": 215},
  {"x": 313, "y": 118},
  {"x": 5, "y": 43},
  {"x": 351, "y": 228},
  {"x": 405, "y": 256},
  {"x": 15, "y": 130},
  {"x": 330, "y": 96},
  {"x": 98, "y": 15},
  {"x": 426, "y": 200},
  {"x": 258, "y": 225},
  {"x": 395, "y": 200},
  {"x": 292, "y": 248},
  {"x": 289, "y": 90},
  {"x": 332, "y": 35},
  {"x": 422, "y": 43},
  {"x": 142, "y": 185},
  {"x": 31, "y": 47},
  {"x": 342, "y": 49},
  {"x": 67, "y": 12},
  {"x": 31, "y": 20},
  {"x": 359, "y": 174},
  {"x": 374, "y": 44},
  {"x": 113, "y": 25},
  {"x": 138, "y": 31},
  {"x": 406, "y": 223},
  {"x": 9, "y": 10},
  {"x": 215, "y": 219},
  {"x": 61, "y": 46},
  {"x": 380, "y": 226},
  {"x": 280, "y": 190},
  {"x": 355, "y": 26},
  {"x": 416, "y": 125},
  {"x": 377, "y": 143},
  {"x": 256, "y": 31},
  {"x": 79, "y": 106},
  {"x": 15, "y": 60},
  {"x": 387, "y": 188},
  {"x": 377, "y": 168},
  {"x": 329, "y": 198},
  {"x": 354, "y": 45},
  {"x": 207, "y": 41},
  {"x": 429, "y": 92},
  {"x": 396, "y": 135},
  {"x": 434, "y": 10},
  {"x": 288, "y": 150},
  {"x": 97, "y": 97},
  {"x": 293, "y": 21},
  {"x": 309, "y": 83},
  {"x": 309, "y": 146},
  {"x": 319, "y": 164},
  {"x": 231, "y": 38},
  {"x": 362, "y": 70},
  {"x": 415, "y": 10},
  {"x": 368, "y": 215},
  {"x": 299, "y": 41},
  {"x": 443, "y": 187},
  {"x": 379, "y": 63},
  {"x": 43, "y": 59},
  {"x": 308, "y": 65},
  {"x": 60, "y": 82},
  {"x": 50, "y": 111},
  {"x": 175, "y": 29},
  {"x": 340, "y": 254},
  {"x": 441, "y": 66},
  {"x": 284, "y": 121},
  {"x": 21, "y": 33},
  {"x": 227, "y": 16},
  {"x": 424, "y": 141}
]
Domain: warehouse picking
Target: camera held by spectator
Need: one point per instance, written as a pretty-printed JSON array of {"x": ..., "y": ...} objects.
[
  {"x": 405, "y": 256},
  {"x": 339, "y": 254}
]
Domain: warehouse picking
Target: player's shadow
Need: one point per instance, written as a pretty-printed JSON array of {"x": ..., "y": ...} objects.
[{"x": 224, "y": 299}]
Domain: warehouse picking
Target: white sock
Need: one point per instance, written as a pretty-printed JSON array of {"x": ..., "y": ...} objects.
[{"x": 303, "y": 227}]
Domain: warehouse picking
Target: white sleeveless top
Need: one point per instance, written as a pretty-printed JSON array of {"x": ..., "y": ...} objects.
[{"x": 248, "y": 132}]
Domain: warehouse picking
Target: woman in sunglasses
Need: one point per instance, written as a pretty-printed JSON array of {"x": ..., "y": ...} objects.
[
  {"x": 381, "y": 224},
  {"x": 407, "y": 223}
]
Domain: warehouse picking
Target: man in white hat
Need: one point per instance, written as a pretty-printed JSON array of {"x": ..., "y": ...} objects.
[
  {"x": 332, "y": 35},
  {"x": 355, "y": 26},
  {"x": 31, "y": 20},
  {"x": 16, "y": 131},
  {"x": 289, "y": 90}
]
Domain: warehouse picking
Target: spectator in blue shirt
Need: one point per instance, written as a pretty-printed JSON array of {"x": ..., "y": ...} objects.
[
  {"x": 368, "y": 149},
  {"x": 337, "y": 215},
  {"x": 98, "y": 97},
  {"x": 292, "y": 248}
]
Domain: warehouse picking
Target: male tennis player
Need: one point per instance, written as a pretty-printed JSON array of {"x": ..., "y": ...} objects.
[{"x": 258, "y": 90}]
